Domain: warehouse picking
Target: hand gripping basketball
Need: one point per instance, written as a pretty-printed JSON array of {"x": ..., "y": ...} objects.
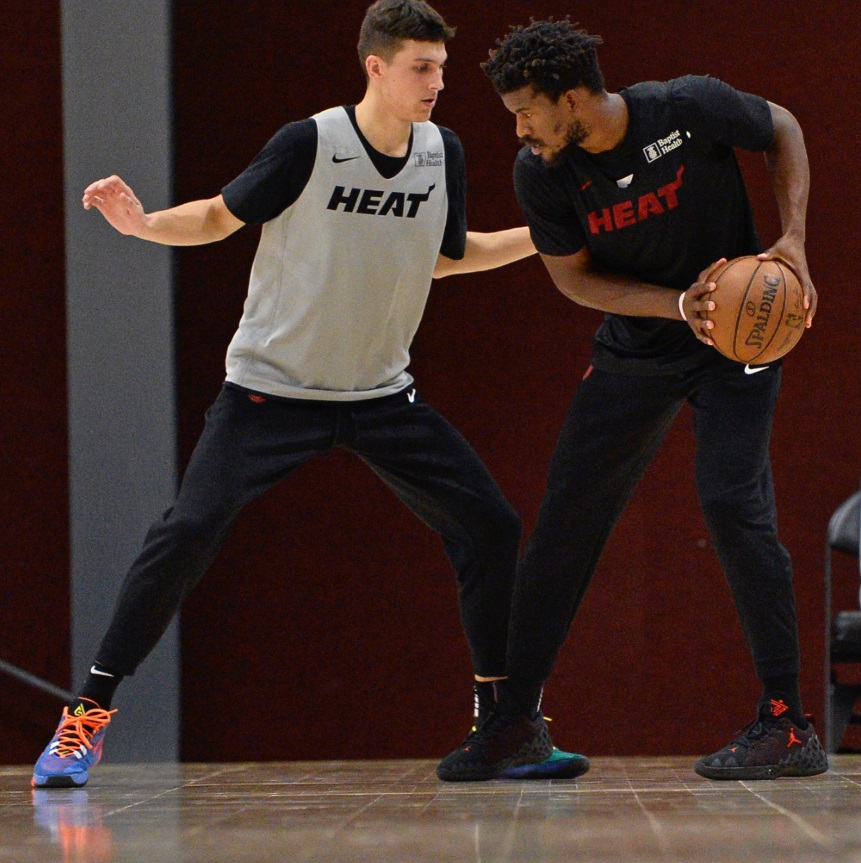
[{"x": 758, "y": 313}]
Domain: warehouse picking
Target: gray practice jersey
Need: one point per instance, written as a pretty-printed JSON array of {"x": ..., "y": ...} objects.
[{"x": 341, "y": 277}]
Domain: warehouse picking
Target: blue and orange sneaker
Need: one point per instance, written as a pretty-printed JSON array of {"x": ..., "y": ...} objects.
[{"x": 75, "y": 747}]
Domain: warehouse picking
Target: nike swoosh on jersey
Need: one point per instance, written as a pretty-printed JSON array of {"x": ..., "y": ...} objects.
[
  {"x": 338, "y": 160},
  {"x": 752, "y": 370}
]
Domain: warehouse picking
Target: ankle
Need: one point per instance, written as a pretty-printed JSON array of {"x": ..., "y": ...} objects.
[
  {"x": 484, "y": 699},
  {"x": 519, "y": 697},
  {"x": 98, "y": 689},
  {"x": 778, "y": 704}
]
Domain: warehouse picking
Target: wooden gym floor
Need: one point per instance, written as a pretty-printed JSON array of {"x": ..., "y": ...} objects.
[{"x": 636, "y": 810}]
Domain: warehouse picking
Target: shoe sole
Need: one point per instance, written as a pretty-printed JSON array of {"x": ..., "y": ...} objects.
[
  {"x": 560, "y": 765},
  {"x": 766, "y": 771},
  {"x": 475, "y": 774},
  {"x": 59, "y": 781}
]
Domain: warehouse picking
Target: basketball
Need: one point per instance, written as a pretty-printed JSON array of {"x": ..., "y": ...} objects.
[{"x": 759, "y": 310}]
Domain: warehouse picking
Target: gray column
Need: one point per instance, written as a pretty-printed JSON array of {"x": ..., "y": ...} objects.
[{"x": 119, "y": 293}]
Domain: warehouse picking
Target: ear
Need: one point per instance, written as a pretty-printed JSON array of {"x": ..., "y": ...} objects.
[
  {"x": 572, "y": 99},
  {"x": 374, "y": 66}
]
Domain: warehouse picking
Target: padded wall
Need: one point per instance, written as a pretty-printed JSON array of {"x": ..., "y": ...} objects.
[
  {"x": 327, "y": 628},
  {"x": 329, "y": 621},
  {"x": 34, "y": 534}
]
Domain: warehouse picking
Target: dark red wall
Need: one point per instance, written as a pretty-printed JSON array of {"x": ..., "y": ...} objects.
[
  {"x": 327, "y": 628},
  {"x": 34, "y": 543}
]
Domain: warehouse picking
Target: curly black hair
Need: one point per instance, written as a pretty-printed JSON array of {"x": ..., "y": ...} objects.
[{"x": 551, "y": 56}]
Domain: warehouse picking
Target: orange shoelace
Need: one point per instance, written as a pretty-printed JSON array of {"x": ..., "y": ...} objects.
[{"x": 77, "y": 731}]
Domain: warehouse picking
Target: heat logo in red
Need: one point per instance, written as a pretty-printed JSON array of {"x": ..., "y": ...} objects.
[{"x": 628, "y": 213}]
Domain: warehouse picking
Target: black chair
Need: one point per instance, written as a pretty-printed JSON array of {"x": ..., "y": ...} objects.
[{"x": 843, "y": 631}]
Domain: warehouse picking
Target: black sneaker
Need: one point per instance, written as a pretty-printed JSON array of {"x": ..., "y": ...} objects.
[
  {"x": 501, "y": 741},
  {"x": 771, "y": 746},
  {"x": 559, "y": 765}
]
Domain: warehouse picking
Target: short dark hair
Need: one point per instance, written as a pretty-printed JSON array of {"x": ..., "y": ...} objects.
[
  {"x": 389, "y": 23},
  {"x": 550, "y": 56}
]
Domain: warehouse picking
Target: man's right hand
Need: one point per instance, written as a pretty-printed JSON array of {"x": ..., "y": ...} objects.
[{"x": 697, "y": 303}]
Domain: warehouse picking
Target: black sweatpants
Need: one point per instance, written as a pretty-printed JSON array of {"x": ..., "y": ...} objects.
[
  {"x": 249, "y": 444},
  {"x": 614, "y": 428}
]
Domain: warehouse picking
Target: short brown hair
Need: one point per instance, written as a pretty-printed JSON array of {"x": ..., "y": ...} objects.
[{"x": 389, "y": 23}]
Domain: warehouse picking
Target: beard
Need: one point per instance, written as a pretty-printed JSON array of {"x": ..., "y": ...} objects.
[{"x": 572, "y": 137}]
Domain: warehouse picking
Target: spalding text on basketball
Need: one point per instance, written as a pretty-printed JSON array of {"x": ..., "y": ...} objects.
[{"x": 756, "y": 336}]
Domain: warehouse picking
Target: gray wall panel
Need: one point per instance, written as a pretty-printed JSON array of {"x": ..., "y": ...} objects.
[{"x": 122, "y": 417}]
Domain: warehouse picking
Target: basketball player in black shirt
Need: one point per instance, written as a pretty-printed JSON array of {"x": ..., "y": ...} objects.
[{"x": 632, "y": 198}]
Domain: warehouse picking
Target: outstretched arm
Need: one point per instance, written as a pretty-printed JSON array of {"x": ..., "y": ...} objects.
[
  {"x": 487, "y": 251},
  {"x": 790, "y": 175},
  {"x": 190, "y": 224}
]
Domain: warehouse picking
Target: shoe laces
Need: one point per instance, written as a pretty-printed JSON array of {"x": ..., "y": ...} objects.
[
  {"x": 495, "y": 723},
  {"x": 77, "y": 731},
  {"x": 483, "y": 722},
  {"x": 478, "y": 722},
  {"x": 753, "y": 731}
]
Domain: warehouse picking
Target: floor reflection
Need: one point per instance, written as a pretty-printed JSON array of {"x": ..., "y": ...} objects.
[{"x": 75, "y": 826}]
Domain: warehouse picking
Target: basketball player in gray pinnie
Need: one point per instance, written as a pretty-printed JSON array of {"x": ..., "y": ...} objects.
[
  {"x": 361, "y": 207},
  {"x": 632, "y": 199}
]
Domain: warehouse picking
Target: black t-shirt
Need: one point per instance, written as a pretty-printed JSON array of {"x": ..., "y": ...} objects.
[
  {"x": 661, "y": 206},
  {"x": 279, "y": 173}
]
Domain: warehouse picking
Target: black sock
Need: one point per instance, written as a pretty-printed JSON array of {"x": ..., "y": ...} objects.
[
  {"x": 784, "y": 689},
  {"x": 100, "y": 685},
  {"x": 484, "y": 700},
  {"x": 519, "y": 697}
]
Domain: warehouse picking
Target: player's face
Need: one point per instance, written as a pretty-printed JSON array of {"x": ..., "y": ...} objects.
[
  {"x": 412, "y": 80},
  {"x": 548, "y": 127}
]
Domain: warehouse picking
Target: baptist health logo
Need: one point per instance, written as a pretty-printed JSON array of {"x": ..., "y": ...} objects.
[
  {"x": 429, "y": 160},
  {"x": 664, "y": 145}
]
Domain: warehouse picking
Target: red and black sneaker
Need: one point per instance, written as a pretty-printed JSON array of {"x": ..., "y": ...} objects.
[{"x": 770, "y": 746}]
